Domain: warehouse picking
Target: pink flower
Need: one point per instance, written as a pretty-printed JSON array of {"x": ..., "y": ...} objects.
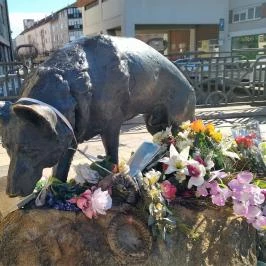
[
  {"x": 168, "y": 190},
  {"x": 92, "y": 203},
  {"x": 200, "y": 160}
]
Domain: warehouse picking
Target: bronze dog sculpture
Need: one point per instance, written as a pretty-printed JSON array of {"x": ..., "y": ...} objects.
[{"x": 96, "y": 83}]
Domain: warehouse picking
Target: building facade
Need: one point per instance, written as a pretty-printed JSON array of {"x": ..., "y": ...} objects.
[
  {"x": 6, "y": 53},
  {"x": 247, "y": 24},
  {"x": 54, "y": 31},
  {"x": 181, "y": 27}
]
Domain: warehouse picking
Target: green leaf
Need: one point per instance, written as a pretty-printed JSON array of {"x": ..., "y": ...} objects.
[{"x": 260, "y": 183}]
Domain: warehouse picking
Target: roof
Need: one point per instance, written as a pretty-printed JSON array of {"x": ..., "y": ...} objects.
[
  {"x": 46, "y": 19},
  {"x": 81, "y": 3}
]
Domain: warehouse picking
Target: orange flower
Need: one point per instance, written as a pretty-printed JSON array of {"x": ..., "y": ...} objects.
[{"x": 197, "y": 126}]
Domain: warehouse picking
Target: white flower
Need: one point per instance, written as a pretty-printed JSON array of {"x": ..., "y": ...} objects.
[
  {"x": 209, "y": 162},
  {"x": 101, "y": 201},
  {"x": 177, "y": 161},
  {"x": 196, "y": 171},
  {"x": 160, "y": 136},
  {"x": 225, "y": 145}
]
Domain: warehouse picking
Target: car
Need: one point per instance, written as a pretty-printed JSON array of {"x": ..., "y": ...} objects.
[{"x": 193, "y": 68}]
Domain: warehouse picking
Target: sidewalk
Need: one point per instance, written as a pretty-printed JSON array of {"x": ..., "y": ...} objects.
[{"x": 133, "y": 133}]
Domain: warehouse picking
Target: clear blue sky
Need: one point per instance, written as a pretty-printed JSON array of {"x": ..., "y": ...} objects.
[
  {"x": 31, "y": 9},
  {"x": 37, "y": 5}
]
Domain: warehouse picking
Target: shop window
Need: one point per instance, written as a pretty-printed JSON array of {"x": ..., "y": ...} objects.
[{"x": 244, "y": 42}]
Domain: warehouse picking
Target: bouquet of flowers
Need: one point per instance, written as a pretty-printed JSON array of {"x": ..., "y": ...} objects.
[{"x": 198, "y": 163}]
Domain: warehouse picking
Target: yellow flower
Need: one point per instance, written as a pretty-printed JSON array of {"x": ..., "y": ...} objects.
[
  {"x": 152, "y": 177},
  {"x": 159, "y": 206},
  {"x": 123, "y": 167},
  {"x": 197, "y": 126},
  {"x": 153, "y": 193},
  {"x": 210, "y": 128},
  {"x": 216, "y": 135}
]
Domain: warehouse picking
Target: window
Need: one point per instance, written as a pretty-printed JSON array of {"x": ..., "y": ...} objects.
[
  {"x": 251, "y": 13},
  {"x": 246, "y": 14},
  {"x": 257, "y": 12},
  {"x": 2, "y": 14},
  {"x": 236, "y": 18},
  {"x": 242, "y": 16}
]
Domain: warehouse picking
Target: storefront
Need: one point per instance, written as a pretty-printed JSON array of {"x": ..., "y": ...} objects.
[
  {"x": 179, "y": 39},
  {"x": 257, "y": 41}
]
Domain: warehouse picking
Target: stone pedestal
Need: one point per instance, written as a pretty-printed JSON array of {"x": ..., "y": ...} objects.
[{"x": 50, "y": 237}]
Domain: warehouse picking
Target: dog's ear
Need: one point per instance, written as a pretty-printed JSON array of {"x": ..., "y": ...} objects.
[{"x": 41, "y": 116}]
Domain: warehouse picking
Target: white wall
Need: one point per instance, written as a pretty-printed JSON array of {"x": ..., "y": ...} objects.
[
  {"x": 106, "y": 15},
  {"x": 128, "y": 13},
  {"x": 175, "y": 11}
]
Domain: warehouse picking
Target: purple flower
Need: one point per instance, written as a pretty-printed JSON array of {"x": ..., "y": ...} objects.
[
  {"x": 259, "y": 222},
  {"x": 214, "y": 186},
  {"x": 240, "y": 208},
  {"x": 235, "y": 185},
  {"x": 264, "y": 210},
  {"x": 202, "y": 190},
  {"x": 256, "y": 195},
  {"x": 219, "y": 195},
  {"x": 252, "y": 213},
  {"x": 217, "y": 174},
  {"x": 244, "y": 177}
]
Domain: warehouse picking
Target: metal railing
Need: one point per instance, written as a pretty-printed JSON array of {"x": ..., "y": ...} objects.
[
  {"x": 12, "y": 76},
  {"x": 228, "y": 78}
]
